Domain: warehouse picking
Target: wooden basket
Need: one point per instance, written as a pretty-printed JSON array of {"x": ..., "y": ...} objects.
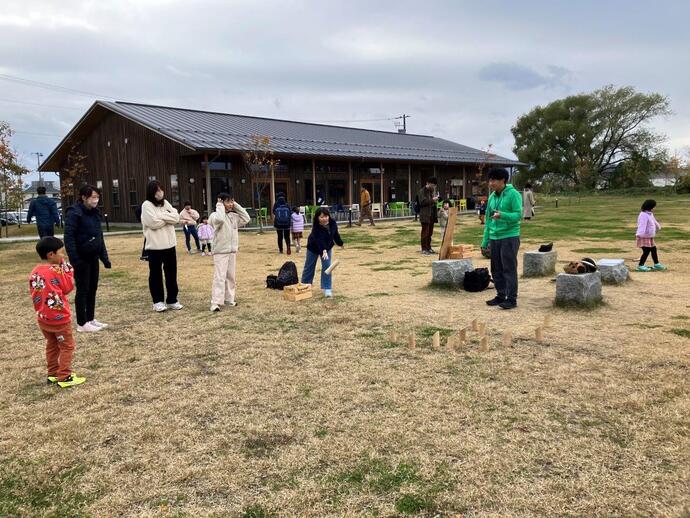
[
  {"x": 460, "y": 251},
  {"x": 296, "y": 292}
]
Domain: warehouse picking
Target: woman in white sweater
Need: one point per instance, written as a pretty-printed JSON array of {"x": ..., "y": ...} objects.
[{"x": 158, "y": 219}]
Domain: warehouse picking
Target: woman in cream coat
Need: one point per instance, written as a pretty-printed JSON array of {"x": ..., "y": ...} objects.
[{"x": 158, "y": 219}]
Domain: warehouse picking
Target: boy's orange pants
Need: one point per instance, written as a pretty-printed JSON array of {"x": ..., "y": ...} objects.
[{"x": 59, "y": 349}]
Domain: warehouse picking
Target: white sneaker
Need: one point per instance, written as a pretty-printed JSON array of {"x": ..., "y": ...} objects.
[
  {"x": 96, "y": 323},
  {"x": 230, "y": 303},
  {"x": 88, "y": 328},
  {"x": 203, "y": 254},
  {"x": 215, "y": 308},
  {"x": 160, "y": 307},
  {"x": 328, "y": 293},
  {"x": 174, "y": 305}
]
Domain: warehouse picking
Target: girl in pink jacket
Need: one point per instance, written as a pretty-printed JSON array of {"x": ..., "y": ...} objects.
[
  {"x": 647, "y": 227},
  {"x": 206, "y": 236}
]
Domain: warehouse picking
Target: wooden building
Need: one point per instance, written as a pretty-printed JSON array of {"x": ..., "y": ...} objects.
[{"x": 197, "y": 154}]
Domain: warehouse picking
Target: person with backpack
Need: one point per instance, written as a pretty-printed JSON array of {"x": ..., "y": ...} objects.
[
  {"x": 226, "y": 220},
  {"x": 45, "y": 211},
  {"x": 282, "y": 219},
  {"x": 502, "y": 232}
]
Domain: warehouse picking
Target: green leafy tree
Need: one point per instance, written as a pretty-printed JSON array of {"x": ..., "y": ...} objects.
[
  {"x": 576, "y": 140},
  {"x": 10, "y": 172}
]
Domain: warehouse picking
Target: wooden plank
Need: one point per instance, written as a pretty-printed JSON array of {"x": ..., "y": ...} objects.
[{"x": 448, "y": 233}]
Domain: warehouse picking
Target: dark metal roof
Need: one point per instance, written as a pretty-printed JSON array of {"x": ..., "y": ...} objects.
[{"x": 204, "y": 131}]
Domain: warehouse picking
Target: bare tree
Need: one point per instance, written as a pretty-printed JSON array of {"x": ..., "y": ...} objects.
[
  {"x": 10, "y": 172},
  {"x": 259, "y": 162}
]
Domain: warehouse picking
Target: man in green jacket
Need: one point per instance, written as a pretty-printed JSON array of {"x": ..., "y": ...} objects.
[{"x": 502, "y": 233}]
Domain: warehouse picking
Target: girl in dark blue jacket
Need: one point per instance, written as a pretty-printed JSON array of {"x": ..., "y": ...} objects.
[{"x": 324, "y": 234}]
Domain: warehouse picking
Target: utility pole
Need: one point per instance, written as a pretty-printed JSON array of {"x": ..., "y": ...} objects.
[
  {"x": 38, "y": 166},
  {"x": 404, "y": 118}
]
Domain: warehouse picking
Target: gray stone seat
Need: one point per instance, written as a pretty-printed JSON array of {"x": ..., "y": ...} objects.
[
  {"x": 581, "y": 289},
  {"x": 613, "y": 271},
  {"x": 539, "y": 264},
  {"x": 450, "y": 272}
]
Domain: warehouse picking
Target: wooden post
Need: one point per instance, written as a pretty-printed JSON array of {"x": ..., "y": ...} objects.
[
  {"x": 349, "y": 183},
  {"x": 474, "y": 325},
  {"x": 436, "y": 340},
  {"x": 547, "y": 320},
  {"x": 484, "y": 344},
  {"x": 482, "y": 329},
  {"x": 539, "y": 334},
  {"x": 210, "y": 207},
  {"x": 313, "y": 181},
  {"x": 464, "y": 183},
  {"x": 273, "y": 190},
  {"x": 409, "y": 182},
  {"x": 412, "y": 341},
  {"x": 448, "y": 233},
  {"x": 507, "y": 339},
  {"x": 383, "y": 188}
]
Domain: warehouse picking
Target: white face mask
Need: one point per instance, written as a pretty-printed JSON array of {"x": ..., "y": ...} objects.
[{"x": 160, "y": 195}]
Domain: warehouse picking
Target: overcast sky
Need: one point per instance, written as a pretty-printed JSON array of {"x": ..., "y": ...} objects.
[{"x": 464, "y": 70}]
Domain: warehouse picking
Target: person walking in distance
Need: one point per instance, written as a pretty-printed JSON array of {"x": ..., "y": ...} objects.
[
  {"x": 281, "y": 222},
  {"x": 502, "y": 232},
  {"x": 188, "y": 220},
  {"x": 528, "y": 202},
  {"x": 45, "y": 210},
  {"x": 158, "y": 220},
  {"x": 427, "y": 198},
  {"x": 365, "y": 207},
  {"x": 85, "y": 247}
]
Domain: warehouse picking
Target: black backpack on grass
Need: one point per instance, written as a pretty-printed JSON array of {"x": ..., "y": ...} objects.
[
  {"x": 477, "y": 280},
  {"x": 287, "y": 275}
]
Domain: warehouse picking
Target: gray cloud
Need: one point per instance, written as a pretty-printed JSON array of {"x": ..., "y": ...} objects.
[{"x": 309, "y": 60}]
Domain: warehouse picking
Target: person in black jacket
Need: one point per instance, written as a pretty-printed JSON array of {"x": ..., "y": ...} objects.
[
  {"x": 46, "y": 213},
  {"x": 85, "y": 246},
  {"x": 324, "y": 234},
  {"x": 282, "y": 218}
]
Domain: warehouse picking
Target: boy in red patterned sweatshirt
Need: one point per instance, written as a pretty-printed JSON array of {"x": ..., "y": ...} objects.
[{"x": 49, "y": 284}]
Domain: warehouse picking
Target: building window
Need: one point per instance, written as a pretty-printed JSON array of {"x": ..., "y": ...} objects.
[
  {"x": 115, "y": 194},
  {"x": 99, "y": 186},
  {"x": 174, "y": 191}
]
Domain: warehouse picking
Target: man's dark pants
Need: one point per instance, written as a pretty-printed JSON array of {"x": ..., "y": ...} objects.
[
  {"x": 86, "y": 283},
  {"x": 504, "y": 267},
  {"x": 44, "y": 231},
  {"x": 427, "y": 232}
]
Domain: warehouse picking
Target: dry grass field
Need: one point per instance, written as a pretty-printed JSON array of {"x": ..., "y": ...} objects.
[{"x": 306, "y": 409}]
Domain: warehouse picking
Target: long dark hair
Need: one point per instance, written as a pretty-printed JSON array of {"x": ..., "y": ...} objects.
[
  {"x": 318, "y": 212},
  {"x": 648, "y": 205},
  {"x": 151, "y": 190}
]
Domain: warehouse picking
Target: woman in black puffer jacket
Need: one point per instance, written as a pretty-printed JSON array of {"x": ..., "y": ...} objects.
[{"x": 85, "y": 247}]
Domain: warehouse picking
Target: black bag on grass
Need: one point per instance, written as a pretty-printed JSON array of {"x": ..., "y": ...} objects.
[
  {"x": 272, "y": 282},
  {"x": 477, "y": 280},
  {"x": 287, "y": 275}
]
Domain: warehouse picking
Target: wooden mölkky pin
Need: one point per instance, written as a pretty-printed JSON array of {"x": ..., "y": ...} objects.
[
  {"x": 507, "y": 339},
  {"x": 484, "y": 344},
  {"x": 452, "y": 342},
  {"x": 474, "y": 325},
  {"x": 436, "y": 340},
  {"x": 463, "y": 334},
  {"x": 332, "y": 267},
  {"x": 539, "y": 334},
  {"x": 392, "y": 336},
  {"x": 482, "y": 329},
  {"x": 412, "y": 341},
  {"x": 547, "y": 321}
]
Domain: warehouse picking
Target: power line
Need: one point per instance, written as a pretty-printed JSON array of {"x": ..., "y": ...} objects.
[
  {"x": 13, "y": 101},
  {"x": 59, "y": 88},
  {"x": 360, "y": 120}
]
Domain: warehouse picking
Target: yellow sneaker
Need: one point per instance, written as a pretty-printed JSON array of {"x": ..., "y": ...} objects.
[{"x": 71, "y": 381}]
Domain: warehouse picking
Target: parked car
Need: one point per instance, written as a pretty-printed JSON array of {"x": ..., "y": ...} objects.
[{"x": 7, "y": 218}]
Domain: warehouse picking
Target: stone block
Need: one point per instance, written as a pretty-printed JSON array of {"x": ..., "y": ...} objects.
[
  {"x": 613, "y": 271},
  {"x": 539, "y": 264},
  {"x": 450, "y": 272},
  {"x": 581, "y": 289}
]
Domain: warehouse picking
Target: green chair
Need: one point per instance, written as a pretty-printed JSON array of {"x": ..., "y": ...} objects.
[{"x": 263, "y": 215}]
